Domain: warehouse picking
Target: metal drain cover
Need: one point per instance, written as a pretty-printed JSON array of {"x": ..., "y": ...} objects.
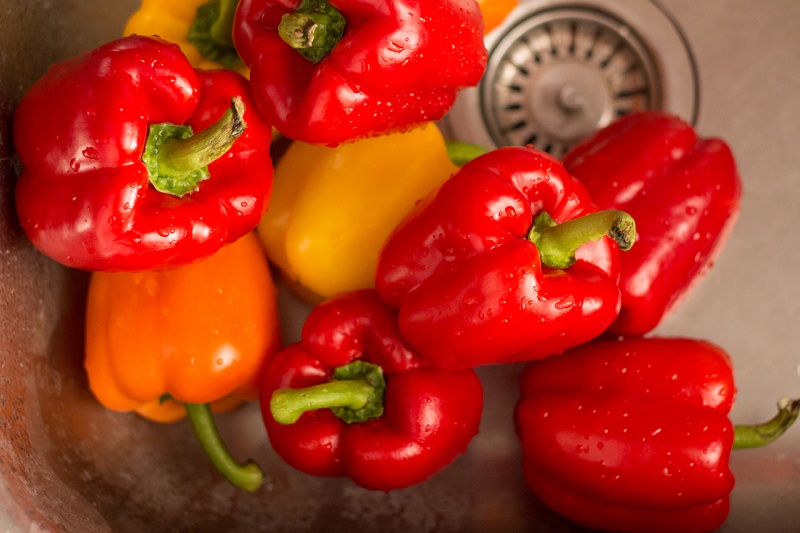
[{"x": 557, "y": 72}]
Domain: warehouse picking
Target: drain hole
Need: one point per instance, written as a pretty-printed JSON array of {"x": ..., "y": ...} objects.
[
  {"x": 559, "y": 70},
  {"x": 560, "y": 75}
]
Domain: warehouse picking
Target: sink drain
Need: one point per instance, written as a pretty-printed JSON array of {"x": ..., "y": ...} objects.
[
  {"x": 557, "y": 72},
  {"x": 559, "y": 75}
]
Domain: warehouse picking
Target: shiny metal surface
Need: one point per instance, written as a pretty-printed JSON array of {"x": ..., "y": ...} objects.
[
  {"x": 67, "y": 465},
  {"x": 559, "y": 70},
  {"x": 560, "y": 74}
]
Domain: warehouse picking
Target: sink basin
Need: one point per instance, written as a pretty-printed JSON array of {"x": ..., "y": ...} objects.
[{"x": 69, "y": 465}]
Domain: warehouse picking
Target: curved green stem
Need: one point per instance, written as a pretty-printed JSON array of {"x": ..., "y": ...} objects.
[
  {"x": 177, "y": 159},
  {"x": 461, "y": 153},
  {"x": 753, "y": 436},
  {"x": 354, "y": 395},
  {"x": 212, "y": 32},
  {"x": 557, "y": 243},
  {"x": 248, "y": 476},
  {"x": 314, "y": 29}
]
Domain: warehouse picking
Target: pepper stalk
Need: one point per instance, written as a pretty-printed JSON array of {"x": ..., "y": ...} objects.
[
  {"x": 557, "y": 243},
  {"x": 177, "y": 159},
  {"x": 314, "y": 29},
  {"x": 211, "y": 32},
  {"x": 461, "y": 153},
  {"x": 246, "y": 476},
  {"x": 355, "y": 394},
  {"x": 754, "y": 436}
]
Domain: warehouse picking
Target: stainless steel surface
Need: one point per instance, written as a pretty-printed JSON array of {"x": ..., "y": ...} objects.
[
  {"x": 559, "y": 70},
  {"x": 562, "y": 73},
  {"x": 68, "y": 465}
]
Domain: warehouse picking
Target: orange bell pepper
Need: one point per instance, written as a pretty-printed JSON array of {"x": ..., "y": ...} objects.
[
  {"x": 193, "y": 339},
  {"x": 495, "y": 11}
]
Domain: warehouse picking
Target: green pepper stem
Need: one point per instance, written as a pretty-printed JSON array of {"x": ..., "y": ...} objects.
[
  {"x": 461, "y": 153},
  {"x": 314, "y": 29},
  {"x": 185, "y": 155},
  {"x": 221, "y": 30},
  {"x": 557, "y": 243},
  {"x": 177, "y": 159},
  {"x": 287, "y": 405},
  {"x": 248, "y": 476},
  {"x": 753, "y": 436},
  {"x": 211, "y": 32},
  {"x": 355, "y": 394}
]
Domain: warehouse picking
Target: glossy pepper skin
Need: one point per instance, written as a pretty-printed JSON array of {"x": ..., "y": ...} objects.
[
  {"x": 84, "y": 197},
  {"x": 391, "y": 69},
  {"x": 470, "y": 286},
  {"x": 186, "y": 341},
  {"x": 684, "y": 193},
  {"x": 200, "y": 333},
  {"x": 333, "y": 208},
  {"x": 208, "y": 47},
  {"x": 630, "y": 435},
  {"x": 429, "y": 416}
]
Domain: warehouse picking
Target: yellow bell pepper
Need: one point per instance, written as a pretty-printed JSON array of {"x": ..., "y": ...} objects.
[
  {"x": 332, "y": 208},
  {"x": 172, "y": 20}
]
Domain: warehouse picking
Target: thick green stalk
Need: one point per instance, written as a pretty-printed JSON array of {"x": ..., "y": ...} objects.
[
  {"x": 212, "y": 32},
  {"x": 557, "y": 243},
  {"x": 757, "y": 435},
  {"x": 354, "y": 395},
  {"x": 248, "y": 476},
  {"x": 178, "y": 160},
  {"x": 314, "y": 29},
  {"x": 222, "y": 27}
]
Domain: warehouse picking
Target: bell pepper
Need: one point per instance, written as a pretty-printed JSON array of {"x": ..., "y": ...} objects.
[
  {"x": 352, "y": 398},
  {"x": 202, "y": 28},
  {"x": 494, "y": 12},
  {"x": 332, "y": 208},
  {"x": 633, "y": 435},
  {"x": 507, "y": 261},
  {"x": 113, "y": 178},
  {"x": 162, "y": 343},
  {"x": 330, "y": 72},
  {"x": 684, "y": 192}
]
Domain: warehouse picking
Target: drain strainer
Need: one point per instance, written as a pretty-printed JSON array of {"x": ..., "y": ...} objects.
[
  {"x": 560, "y": 74},
  {"x": 557, "y": 72}
]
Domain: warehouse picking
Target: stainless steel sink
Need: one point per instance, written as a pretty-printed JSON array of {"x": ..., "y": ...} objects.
[
  {"x": 729, "y": 66},
  {"x": 559, "y": 70}
]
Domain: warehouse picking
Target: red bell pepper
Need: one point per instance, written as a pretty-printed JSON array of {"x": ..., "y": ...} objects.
[
  {"x": 479, "y": 277},
  {"x": 633, "y": 435},
  {"x": 682, "y": 190},
  {"x": 353, "y": 399},
  {"x": 329, "y": 72},
  {"x": 97, "y": 138}
]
